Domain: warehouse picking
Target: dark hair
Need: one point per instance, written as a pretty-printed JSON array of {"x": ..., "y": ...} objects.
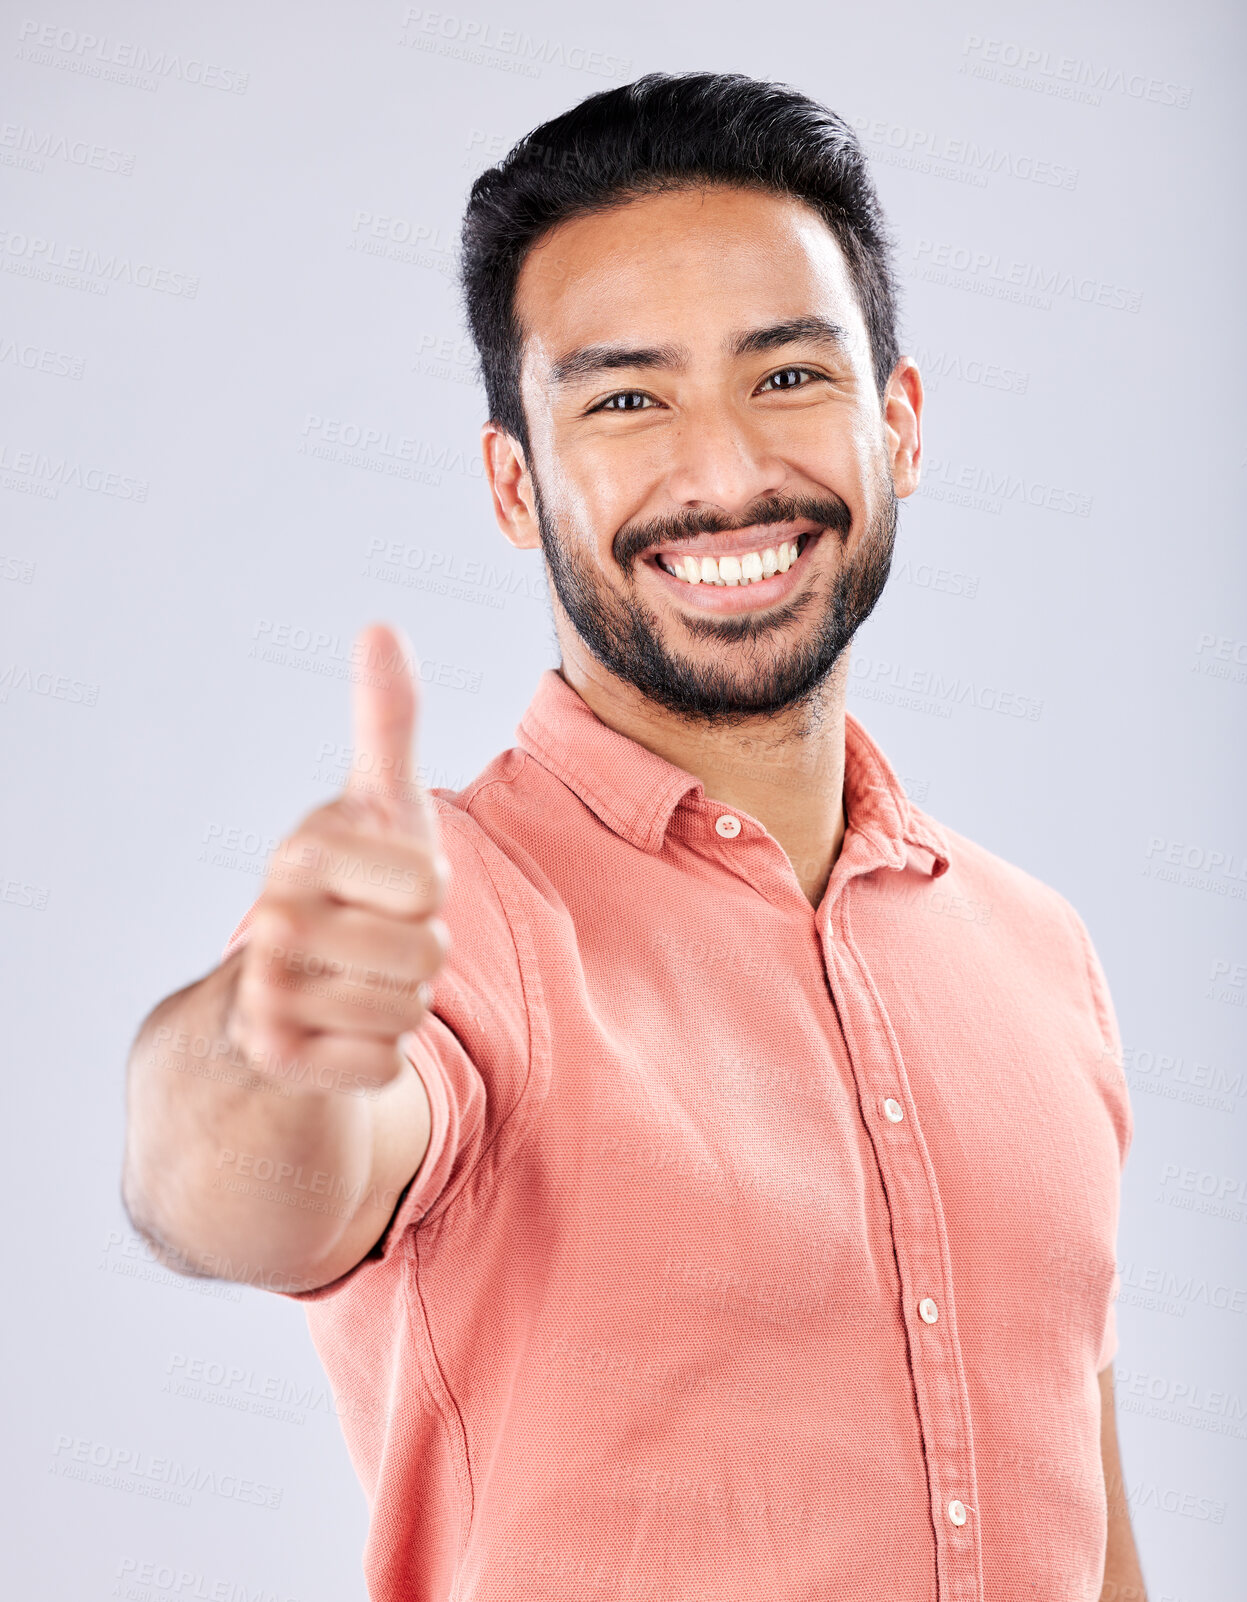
[{"x": 660, "y": 133}]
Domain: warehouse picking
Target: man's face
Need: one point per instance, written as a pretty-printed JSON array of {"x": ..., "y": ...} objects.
[{"x": 709, "y": 474}]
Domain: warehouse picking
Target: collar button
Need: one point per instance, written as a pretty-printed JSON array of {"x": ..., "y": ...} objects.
[{"x": 727, "y": 826}]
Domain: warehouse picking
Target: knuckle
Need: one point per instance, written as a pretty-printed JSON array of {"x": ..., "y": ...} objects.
[
  {"x": 428, "y": 876},
  {"x": 419, "y": 878},
  {"x": 437, "y": 943},
  {"x": 277, "y": 927},
  {"x": 438, "y": 877},
  {"x": 256, "y": 1003}
]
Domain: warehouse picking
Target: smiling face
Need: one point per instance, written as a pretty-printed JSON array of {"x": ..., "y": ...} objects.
[{"x": 710, "y": 471}]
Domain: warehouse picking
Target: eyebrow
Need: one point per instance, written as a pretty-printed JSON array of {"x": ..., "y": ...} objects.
[{"x": 590, "y": 360}]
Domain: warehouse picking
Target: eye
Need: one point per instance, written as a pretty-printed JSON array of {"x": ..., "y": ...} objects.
[
  {"x": 788, "y": 378},
  {"x": 625, "y": 400}
]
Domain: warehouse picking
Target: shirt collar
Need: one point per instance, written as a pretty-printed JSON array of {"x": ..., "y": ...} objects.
[{"x": 634, "y": 791}]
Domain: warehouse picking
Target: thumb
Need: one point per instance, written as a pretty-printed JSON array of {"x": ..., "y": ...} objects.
[{"x": 385, "y": 707}]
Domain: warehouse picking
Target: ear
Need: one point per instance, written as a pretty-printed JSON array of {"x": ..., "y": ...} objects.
[
  {"x": 902, "y": 422},
  {"x": 511, "y": 486}
]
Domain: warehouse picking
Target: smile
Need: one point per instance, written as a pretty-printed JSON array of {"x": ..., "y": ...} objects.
[{"x": 750, "y": 567}]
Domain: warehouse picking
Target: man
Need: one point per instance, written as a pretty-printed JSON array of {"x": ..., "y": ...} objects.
[{"x": 689, "y": 1199}]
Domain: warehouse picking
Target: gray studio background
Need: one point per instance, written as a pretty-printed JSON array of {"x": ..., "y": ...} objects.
[{"x": 240, "y": 421}]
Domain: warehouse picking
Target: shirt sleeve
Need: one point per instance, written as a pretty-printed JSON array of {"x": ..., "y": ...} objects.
[
  {"x": 472, "y": 1051},
  {"x": 1112, "y": 1080}
]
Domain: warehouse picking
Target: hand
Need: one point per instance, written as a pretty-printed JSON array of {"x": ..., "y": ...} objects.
[{"x": 344, "y": 939}]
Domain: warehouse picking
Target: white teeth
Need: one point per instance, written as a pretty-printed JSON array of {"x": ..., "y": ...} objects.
[{"x": 734, "y": 570}]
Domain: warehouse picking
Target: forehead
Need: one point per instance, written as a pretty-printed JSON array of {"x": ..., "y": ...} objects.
[{"x": 689, "y": 262}]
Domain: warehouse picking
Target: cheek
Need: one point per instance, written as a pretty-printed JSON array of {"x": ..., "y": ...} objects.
[
  {"x": 848, "y": 461},
  {"x": 596, "y": 491}
]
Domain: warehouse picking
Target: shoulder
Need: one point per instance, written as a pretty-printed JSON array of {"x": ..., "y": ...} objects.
[
  {"x": 1016, "y": 893},
  {"x": 1037, "y": 938},
  {"x": 495, "y": 829},
  {"x": 1028, "y": 919}
]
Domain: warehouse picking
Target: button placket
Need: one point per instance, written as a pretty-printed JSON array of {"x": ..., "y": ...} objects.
[{"x": 912, "y": 1199}]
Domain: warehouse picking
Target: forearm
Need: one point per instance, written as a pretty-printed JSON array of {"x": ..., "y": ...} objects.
[
  {"x": 281, "y": 1178},
  {"x": 1123, "y": 1576}
]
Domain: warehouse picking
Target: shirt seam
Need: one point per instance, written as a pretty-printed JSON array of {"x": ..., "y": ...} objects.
[
  {"x": 417, "y": 1311},
  {"x": 445, "y": 1210},
  {"x": 444, "y": 1203},
  {"x": 1098, "y": 1008}
]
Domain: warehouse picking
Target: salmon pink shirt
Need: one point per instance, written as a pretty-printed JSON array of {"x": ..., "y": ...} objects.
[{"x": 759, "y": 1251}]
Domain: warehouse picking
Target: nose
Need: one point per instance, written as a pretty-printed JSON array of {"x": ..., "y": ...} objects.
[{"x": 718, "y": 460}]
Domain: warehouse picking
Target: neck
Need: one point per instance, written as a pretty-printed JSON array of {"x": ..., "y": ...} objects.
[{"x": 786, "y": 769}]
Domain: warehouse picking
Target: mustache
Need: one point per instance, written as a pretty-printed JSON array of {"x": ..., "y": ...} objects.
[{"x": 828, "y": 511}]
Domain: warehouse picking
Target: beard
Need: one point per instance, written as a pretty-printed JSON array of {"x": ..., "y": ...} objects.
[{"x": 756, "y": 673}]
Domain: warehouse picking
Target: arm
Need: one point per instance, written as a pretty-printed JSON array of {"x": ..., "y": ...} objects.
[
  {"x": 214, "y": 1147},
  {"x": 1123, "y": 1578},
  {"x": 272, "y": 1120}
]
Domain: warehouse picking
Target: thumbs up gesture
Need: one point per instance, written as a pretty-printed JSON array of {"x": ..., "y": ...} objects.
[{"x": 344, "y": 937}]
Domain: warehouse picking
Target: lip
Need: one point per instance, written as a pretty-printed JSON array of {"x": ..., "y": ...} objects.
[{"x": 734, "y": 597}]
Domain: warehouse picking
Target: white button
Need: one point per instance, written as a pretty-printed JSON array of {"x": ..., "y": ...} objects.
[
  {"x": 928, "y": 1312},
  {"x": 728, "y": 826},
  {"x": 957, "y": 1512},
  {"x": 893, "y": 1111}
]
